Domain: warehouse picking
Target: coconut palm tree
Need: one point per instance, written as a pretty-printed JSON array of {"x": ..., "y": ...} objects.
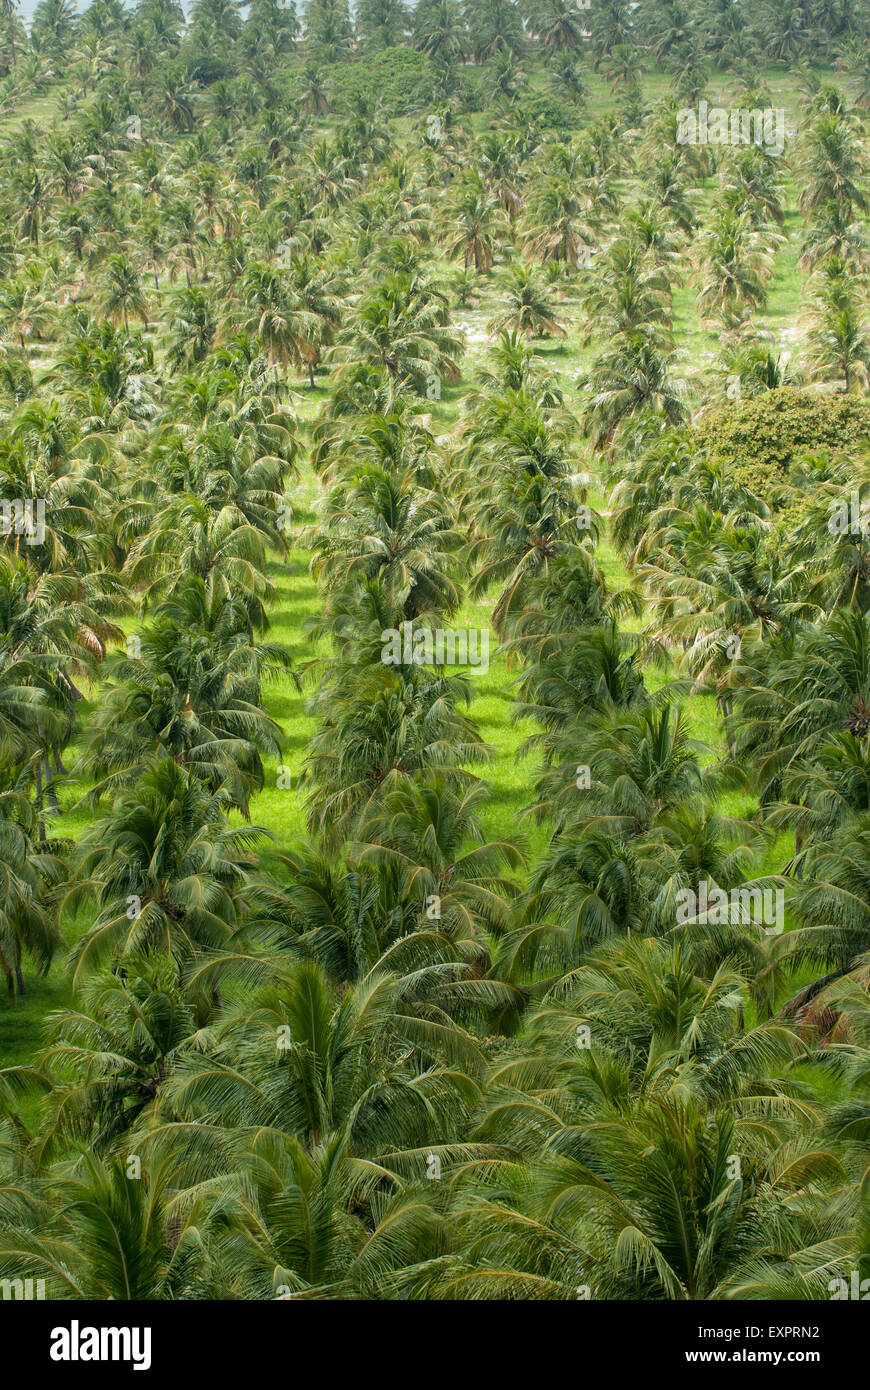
[
  {"x": 832, "y": 166},
  {"x": 794, "y": 692},
  {"x": 474, "y": 228},
  {"x": 628, "y": 295},
  {"x": 382, "y": 525},
  {"x": 840, "y": 346},
  {"x": 336, "y": 1076},
  {"x": 638, "y": 762},
  {"x": 190, "y": 691},
  {"x": 559, "y": 224},
  {"x": 528, "y": 308},
  {"x": 402, "y": 325},
  {"x": 736, "y": 261},
  {"x": 123, "y": 294},
  {"x": 111, "y": 1053},
  {"x": 188, "y": 537},
  {"x": 193, "y": 327},
  {"x": 420, "y": 833},
  {"x": 522, "y": 504},
  {"x": 98, "y": 1235},
  {"x": 392, "y": 724},
  {"x": 439, "y": 29},
  {"x": 559, "y": 25},
  {"x": 166, "y": 871},
  {"x": 630, "y": 379}
]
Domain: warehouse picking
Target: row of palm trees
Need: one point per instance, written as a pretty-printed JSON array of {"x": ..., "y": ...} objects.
[{"x": 90, "y": 44}]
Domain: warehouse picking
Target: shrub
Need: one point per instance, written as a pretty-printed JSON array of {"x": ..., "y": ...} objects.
[
  {"x": 762, "y": 437},
  {"x": 547, "y": 112},
  {"x": 400, "y": 78}
]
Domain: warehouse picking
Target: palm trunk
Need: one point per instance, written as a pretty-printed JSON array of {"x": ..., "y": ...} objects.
[
  {"x": 38, "y": 778},
  {"x": 798, "y": 846},
  {"x": 8, "y": 972},
  {"x": 70, "y": 684},
  {"x": 49, "y": 789}
]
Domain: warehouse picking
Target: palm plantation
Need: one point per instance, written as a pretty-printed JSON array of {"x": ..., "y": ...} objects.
[{"x": 327, "y": 335}]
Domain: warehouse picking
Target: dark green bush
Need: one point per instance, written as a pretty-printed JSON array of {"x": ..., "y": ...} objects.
[
  {"x": 548, "y": 112},
  {"x": 762, "y": 437},
  {"x": 400, "y": 78}
]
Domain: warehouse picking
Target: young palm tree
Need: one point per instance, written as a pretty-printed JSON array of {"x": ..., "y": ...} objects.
[
  {"x": 521, "y": 502},
  {"x": 632, "y": 378},
  {"x": 736, "y": 261},
  {"x": 835, "y": 236},
  {"x": 188, "y": 537},
  {"x": 559, "y": 25},
  {"x": 629, "y": 294},
  {"x": 191, "y": 693},
  {"x": 830, "y": 907},
  {"x": 111, "y": 1053},
  {"x": 833, "y": 165},
  {"x": 273, "y": 314},
  {"x": 301, "y": 1225},
  {"x": 25, "y": 312},
  {"x": 318, "y": 291},
  {"x": 559, "y": 227},
  {"x": 494, "y": 27},
  {"x": 166, "y": 870},
  {"x": 638, "y": 763},
  {"x": 570, "y": 596},
  {"x": 381, "y": 525},
  {"x": 403, "y": 326},
  {"x": 193, "y": 327},
  {"x": 500, "y": 161},
  {"x": 123, "y": 294},
  {"x": 439, "y": 29},
  {"x": 841, "y": 348},
  {"x": 587, "y": 669},
  {"x": 793, "y": 693},
  {"x": 364, "y": 1078},
  {"x": 474, "y": 228},
  {"x": 97, "y": 1234},
  {"x": 9, "y": 18},
  {"x": 420, "y": 833},
  {"x": 528, "y": 308},
  {"x": 388, "y": 727},
  {"x": 717, "y": 584}
]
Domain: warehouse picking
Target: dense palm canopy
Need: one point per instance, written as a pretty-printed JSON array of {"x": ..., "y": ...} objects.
[{"x": 434, "y": 651}]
